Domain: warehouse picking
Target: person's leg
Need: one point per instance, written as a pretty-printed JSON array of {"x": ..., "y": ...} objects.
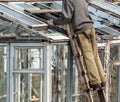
[
  {"x": 84, "y": 42},
  {"x": 96, "y": 57}
]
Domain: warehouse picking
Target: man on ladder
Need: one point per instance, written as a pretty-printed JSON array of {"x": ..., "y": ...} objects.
[{"x": 76, "y": 13}]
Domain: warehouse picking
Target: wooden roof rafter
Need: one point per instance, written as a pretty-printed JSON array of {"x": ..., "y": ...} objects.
[{"x": 38, "y": 8}]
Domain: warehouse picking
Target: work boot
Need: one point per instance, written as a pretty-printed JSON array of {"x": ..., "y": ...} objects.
[
  {"x": 103, "y": 84},
  {"x": 95, "y": 86}
]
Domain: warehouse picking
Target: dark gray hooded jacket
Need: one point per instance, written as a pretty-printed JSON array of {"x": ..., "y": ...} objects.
[{"x": 75, "y": 12}]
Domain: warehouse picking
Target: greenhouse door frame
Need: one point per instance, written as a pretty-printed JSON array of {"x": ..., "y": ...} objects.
[{"x": 46, "y": 68}]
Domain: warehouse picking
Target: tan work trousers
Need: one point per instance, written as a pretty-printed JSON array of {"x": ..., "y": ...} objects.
[{"x": 88, "y": 45}]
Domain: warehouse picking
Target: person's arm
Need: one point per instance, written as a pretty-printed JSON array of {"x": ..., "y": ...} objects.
[{"x": 67, "y": 13}]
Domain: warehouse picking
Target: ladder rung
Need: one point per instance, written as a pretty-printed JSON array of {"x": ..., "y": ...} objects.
[
  {"x": 77, "y": 95},
  {"x": 77, "y": 55},
  {"x": 84, "y": 72}
]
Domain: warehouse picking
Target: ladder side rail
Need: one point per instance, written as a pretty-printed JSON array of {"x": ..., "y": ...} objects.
[{"x": 80, "y": 65}]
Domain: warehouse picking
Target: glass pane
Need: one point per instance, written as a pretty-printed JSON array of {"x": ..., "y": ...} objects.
[
  {"x": 114, "y": 70},
  {"x": 29, "y": 88},
  {"x": 59, "y": 75},
  {"x": 29, "y": 58},
  {"x": 3, "y": 74}
]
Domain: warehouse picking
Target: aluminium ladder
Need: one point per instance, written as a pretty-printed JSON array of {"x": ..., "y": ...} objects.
[{"x": 82, "y": 74}]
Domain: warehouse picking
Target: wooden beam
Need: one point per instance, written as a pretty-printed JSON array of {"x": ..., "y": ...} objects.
[
  {"x": 43, "y": 11},
  {"x": 11, "y": 35}
]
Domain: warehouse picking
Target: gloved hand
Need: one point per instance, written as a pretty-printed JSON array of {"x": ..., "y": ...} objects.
[{"x": 50, "y": 22}]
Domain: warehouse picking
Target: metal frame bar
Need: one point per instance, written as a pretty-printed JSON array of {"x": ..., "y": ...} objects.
[
  {"x": 118, "y": 97},
  {"x": 29, "y": 71},
  {"x": 69, "y": 75},
  {"x": 47, "y": 55},
  {"x": 107, "y": 55}
]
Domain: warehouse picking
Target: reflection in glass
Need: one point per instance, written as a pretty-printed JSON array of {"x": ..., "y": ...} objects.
[
  {"x": 29, "y": 88},
  {"x": 28, "y": 58}
]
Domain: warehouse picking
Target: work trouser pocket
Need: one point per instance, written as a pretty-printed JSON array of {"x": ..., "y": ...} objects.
[{"x": 88, "y": 33}]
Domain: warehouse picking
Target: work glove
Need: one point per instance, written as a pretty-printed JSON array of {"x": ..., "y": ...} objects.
[{"x": 50, "y": 22}]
